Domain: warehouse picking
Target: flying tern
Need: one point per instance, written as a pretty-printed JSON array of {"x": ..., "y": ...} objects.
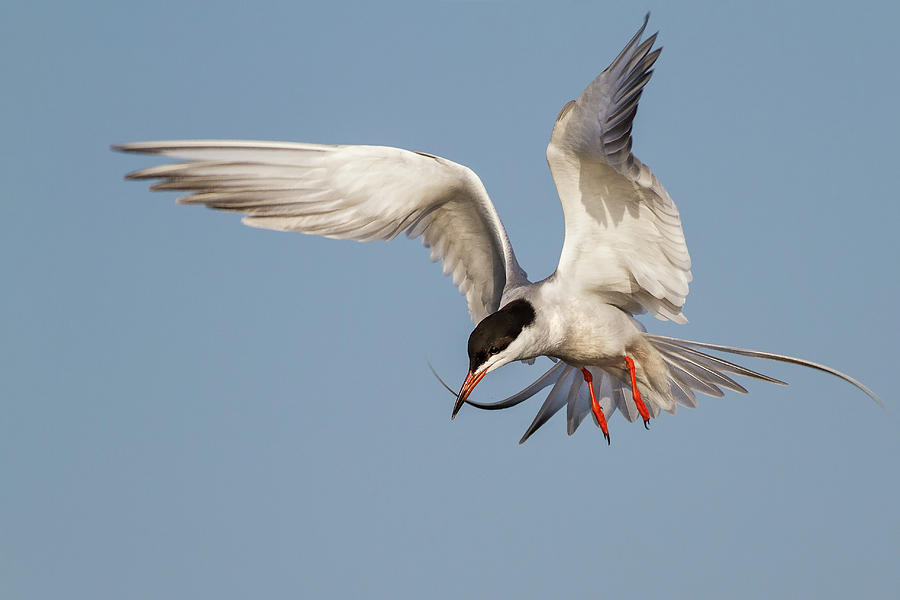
[{"x": 624, "y": 251}]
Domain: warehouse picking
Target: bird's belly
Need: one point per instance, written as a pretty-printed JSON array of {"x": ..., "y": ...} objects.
[{"x": 597, "y": 335}]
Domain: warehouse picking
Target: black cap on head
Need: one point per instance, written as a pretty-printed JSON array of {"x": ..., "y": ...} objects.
[{"x": 497, "y": 331}]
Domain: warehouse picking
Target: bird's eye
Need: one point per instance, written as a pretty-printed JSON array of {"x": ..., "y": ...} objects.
[{"x": 494, "y": 350}]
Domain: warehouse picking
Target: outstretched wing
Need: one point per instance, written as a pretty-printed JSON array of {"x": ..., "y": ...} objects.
[
  {"x": 361, "y": 193},
  {"x": 623, "y": 232}
]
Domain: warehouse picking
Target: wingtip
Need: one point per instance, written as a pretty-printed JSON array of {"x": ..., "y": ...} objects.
[
  {"x": 150, "y": 147},
  {"x": 127, "y": 147},
  {"x": 130, "y": 147}
]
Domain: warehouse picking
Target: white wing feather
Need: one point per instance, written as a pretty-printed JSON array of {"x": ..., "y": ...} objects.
[
  {"x": 361, "y": 193},
  {"x": 623, "y": 232}
]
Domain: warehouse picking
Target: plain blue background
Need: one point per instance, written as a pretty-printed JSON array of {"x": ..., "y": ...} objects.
[{"x": 194, "y": 409}]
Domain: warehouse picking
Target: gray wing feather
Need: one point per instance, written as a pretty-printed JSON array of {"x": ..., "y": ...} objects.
[
  {"x": 623, "y": 232},
  {"x": 361, "y": 193}
]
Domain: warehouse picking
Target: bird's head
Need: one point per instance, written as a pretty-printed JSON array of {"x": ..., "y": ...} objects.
[{"x": 496, "y": 341}]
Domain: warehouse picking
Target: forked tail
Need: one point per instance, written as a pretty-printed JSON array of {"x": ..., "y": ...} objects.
[
  {"x": 690, "y": 371},
  {"x": 687, "y": 347}
]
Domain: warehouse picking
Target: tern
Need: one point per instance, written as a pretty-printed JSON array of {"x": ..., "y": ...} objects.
[{"x": 624, "y": 252}]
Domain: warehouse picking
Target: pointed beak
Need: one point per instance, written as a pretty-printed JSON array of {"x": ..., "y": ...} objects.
[{"x": 469, "y": 384}]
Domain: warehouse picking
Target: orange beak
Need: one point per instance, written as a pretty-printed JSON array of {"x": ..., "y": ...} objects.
[{"x": 469, "y": 384}]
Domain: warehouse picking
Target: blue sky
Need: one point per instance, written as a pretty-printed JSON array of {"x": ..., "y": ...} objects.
[{"x": 192, "y": 408}]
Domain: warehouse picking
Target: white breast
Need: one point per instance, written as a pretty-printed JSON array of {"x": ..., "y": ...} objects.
[{"x": 582, "y": 329}]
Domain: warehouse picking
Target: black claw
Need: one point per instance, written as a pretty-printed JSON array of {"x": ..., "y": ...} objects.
[
  {"x": 647, "y": 424},
  {"x": 606, "y": 435}
]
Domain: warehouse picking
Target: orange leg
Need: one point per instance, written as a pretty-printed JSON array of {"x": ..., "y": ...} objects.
[
  {"x": 642, "y": 408},
  {"x": 595, "y": 406}
]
